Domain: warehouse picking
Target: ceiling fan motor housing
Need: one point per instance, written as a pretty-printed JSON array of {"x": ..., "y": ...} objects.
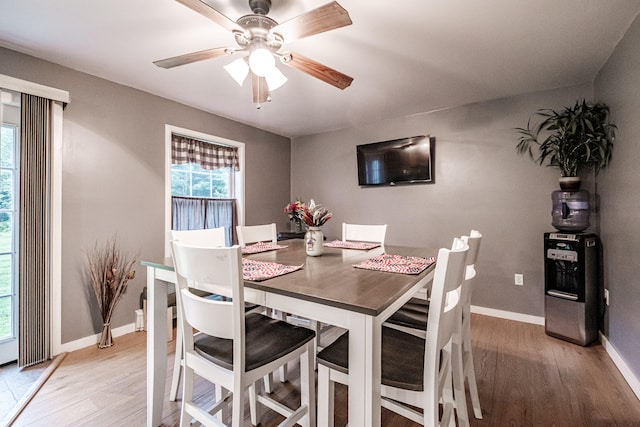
[
  {"x": 260, "y": 7},
  {"x": 258, "y": 27}
]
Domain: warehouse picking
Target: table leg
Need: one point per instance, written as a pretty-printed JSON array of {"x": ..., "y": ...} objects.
[
  {"x": 364, "y": 371},
  {"x": 156, "y": 347}
]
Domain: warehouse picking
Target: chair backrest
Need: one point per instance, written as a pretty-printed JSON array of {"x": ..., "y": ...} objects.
[
  {"x": 211, "y": 237},
  {"x": 444, "y": 312},
  {"x": 248, "y": 234},
  {"x": 473, "y": 240},
  {"x": 208, "y": 268},
  {"x": 364, "y": 233}
]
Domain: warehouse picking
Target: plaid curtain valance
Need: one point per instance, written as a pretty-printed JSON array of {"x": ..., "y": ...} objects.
[{"x": 208, "y": 155}]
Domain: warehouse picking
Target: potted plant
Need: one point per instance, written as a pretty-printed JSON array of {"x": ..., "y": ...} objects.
[{"x": 572, "y": 139}]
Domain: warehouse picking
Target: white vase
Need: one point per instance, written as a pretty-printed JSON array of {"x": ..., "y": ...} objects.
[{"x": 313, "y": 240}]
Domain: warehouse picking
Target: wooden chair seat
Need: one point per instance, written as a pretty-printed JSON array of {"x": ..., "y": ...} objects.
[
  {"x": 413, "y": 314},
  {"x": 267, "y": 339},
  {"x": 402, "y": 369}
]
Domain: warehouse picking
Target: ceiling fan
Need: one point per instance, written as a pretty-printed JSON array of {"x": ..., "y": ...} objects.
[{"x": 261, "y": 38}]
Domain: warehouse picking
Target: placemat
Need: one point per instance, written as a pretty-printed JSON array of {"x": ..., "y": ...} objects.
[
  {"x": 261, "y": 270},
  {"x": 352, "y": 245},
  {"x": 261, "y": 247},
  {"x": 397, "y": 264}
]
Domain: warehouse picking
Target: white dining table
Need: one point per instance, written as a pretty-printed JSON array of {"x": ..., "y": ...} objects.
[{"x": 327, "y": 289}]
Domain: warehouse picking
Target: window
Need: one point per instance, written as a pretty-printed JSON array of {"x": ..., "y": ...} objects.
[
  {"x": 190, "y": 180},
  {"x": 205, "y": 177}
]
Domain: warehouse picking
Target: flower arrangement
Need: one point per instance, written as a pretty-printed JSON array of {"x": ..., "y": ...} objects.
[
  {"x": 312, "y": 215},
  {"x": 315, "y": 215},
  {"x": 295, "y": 211},
  {"x": 110, "y": 270}
]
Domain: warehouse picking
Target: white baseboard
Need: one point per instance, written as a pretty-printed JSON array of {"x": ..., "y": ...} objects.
[
  {"x": 627, "y": 373},
  {"x": 94, "y": 339},
  {"x": 509, "y": 315}
]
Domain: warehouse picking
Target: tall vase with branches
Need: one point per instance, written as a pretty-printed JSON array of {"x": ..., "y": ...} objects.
[{"x": 110, "y": 270}]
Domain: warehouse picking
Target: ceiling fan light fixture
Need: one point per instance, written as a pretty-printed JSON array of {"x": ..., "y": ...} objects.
[
  {"x": 238, "y": 70},
  {"x": 275, "y": 79},
  {"x": 261, "y": 61}
]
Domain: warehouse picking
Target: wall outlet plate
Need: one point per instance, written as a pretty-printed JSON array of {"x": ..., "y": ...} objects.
[{"x": 519, "y": 279}]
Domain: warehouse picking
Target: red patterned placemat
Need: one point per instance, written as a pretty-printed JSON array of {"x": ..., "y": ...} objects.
[
  {"x": 397, "y": 264},
  {"x": 352, "y": 245},
  {"x": 261, "y": 270},
  {"x": 261, "y": 247}
]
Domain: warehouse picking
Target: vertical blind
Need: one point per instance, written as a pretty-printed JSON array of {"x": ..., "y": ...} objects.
[{"x": 34, "y": 246}]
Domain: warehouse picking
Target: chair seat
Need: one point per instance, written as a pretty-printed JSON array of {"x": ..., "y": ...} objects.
[
  {"x": 413, "y": 314},
  {"x": 266, "y": 340},
  {"x": 401, "y": 369}
]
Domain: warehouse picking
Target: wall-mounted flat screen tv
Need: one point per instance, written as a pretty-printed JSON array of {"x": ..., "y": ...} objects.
[{"x": 400, "y": 161}]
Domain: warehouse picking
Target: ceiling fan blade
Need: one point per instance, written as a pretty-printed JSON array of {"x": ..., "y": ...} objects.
[
  {"x": 217, "y": 17},
  {"x": 191, "y": 57},
  {"x": 260, "y": 90},
  {"x": 324, "y": 18},
  {"x": 317, "y": 70}
]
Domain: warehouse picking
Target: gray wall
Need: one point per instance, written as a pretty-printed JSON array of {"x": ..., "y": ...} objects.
[
  {"x": 618, "y": 84},
  {"x": 113, "y": 176},
  {"x": 481, "y": 183}
]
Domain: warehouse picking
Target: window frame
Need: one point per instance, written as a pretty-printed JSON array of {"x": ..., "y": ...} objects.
[{"x": 238, "y": 181}]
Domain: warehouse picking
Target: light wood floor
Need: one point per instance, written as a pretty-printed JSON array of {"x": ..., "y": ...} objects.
[{"x": 525, "y": 378}]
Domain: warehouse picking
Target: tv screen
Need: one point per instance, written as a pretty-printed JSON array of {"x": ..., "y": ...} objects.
[{"x": 400, "y": 161}]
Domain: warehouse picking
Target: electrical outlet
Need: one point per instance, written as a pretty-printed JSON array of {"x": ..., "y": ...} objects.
[
  {"x": 519, "y": 279},
  {"x": 606, "y": 296}
]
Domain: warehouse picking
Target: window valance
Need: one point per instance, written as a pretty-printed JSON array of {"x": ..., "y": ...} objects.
[{"x": 207, "y": 155}]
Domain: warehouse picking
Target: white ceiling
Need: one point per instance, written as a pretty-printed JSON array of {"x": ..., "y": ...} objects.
[{"x": 406, "y": 56}]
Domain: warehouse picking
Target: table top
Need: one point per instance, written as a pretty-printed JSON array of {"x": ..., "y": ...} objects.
[{"x": 331, "y": 279}]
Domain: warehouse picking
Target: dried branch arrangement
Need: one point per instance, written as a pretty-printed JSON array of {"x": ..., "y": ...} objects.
[{"x": 110, "y": 269}]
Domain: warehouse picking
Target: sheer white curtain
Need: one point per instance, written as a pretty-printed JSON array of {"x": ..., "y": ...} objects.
[{"x": 190, "y": 213}]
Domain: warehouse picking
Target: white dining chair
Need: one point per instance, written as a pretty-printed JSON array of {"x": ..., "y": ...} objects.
[
  {"x": 265, "y": 233},
  {"x": 208, "y": 237},
  {"x": 248, "y": 234},
  {"x": 413, "y": 317},
  {"x": 468, "y": 371},
  {"x": 364, "y": 233},
  {"x": 416, "y": 372},
  {"x": 234, "y": 349},
  {"x": 211, "y": 237}
]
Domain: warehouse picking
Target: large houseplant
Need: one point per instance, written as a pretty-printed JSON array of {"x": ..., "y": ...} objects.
[{"x": 572, "y": 139}]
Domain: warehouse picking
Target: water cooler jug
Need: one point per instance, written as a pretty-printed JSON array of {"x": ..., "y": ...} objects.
[
  {"x": 571, "y": 286},
  {"x": 570, "y": 211}
]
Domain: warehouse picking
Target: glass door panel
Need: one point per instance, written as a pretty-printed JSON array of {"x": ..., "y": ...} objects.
[{"x": 9, "y": 134}]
